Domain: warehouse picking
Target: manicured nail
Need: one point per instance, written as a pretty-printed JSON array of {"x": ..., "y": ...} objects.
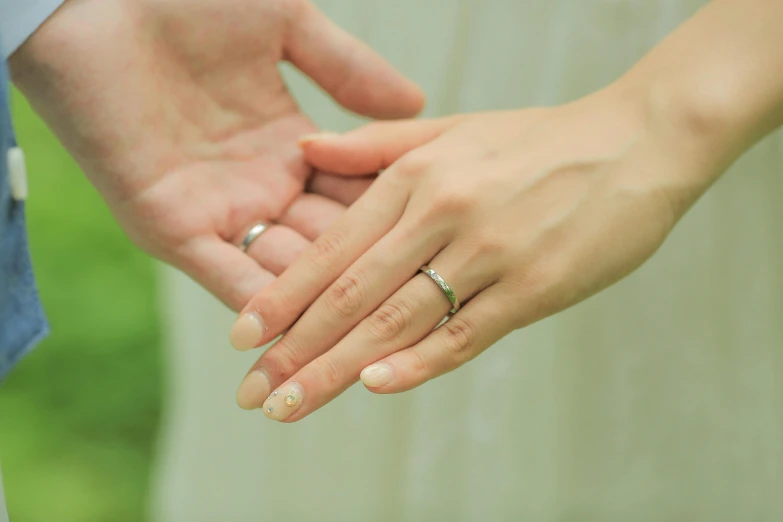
[
  {"x": 253, "y": 390},
  {"x": 309, "y": 138},
  {"x": 247, "y": 331},
  {"x": 284, "y": 401},
  {"x": 376, "y": 375}
]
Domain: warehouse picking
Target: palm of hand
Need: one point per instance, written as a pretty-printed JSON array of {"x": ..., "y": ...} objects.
[{"x": 178, "y": 114}]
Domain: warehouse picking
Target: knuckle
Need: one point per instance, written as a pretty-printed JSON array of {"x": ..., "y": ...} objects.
[
  {"x": 543, "y": 282},
  {"x": 418, "y": 363},
  {"x": 390, "y": 320},
  {"x": 283, "y": 359},
  {"x": 448, "y": 202},
  {"x": 459, "y": 339},
  {"x": 293, "y": 8},
  {"x": 326, "y": 371},
  {"x": 485, "y": 245},
  {"x": 552, "y": 290},
  {"x": 455, "y": 200},
  {"x": 537, "y": 291},
  {"x": 347, "y": 294},
  {"x": 327, "y": 249},
  {"x": 276, "y": 299},
  {"x": 539, "y": 277},
  {"x": 415, "y": 164}
]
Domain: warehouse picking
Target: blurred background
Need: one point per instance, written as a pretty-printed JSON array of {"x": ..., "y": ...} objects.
[
  {"x": 79, "y": 416},
  {"x": 657, "y": 400}
]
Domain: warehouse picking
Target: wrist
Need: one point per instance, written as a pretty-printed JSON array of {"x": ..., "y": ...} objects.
[
  {"x": 714, "y": 84},
  {"x": 684, "y": 146},
  {"x": 705, "y": 113}
]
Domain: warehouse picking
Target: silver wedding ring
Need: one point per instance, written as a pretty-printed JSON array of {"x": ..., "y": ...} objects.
[
  {"x": 257, "y": 230},
  {"x": 443, "y": 286}
]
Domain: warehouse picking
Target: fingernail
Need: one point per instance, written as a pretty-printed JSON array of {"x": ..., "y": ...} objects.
[
  {"x": 247, "y": 331},
  {"x": 309, "y": 138},
  {"x": 253, "y": 390},
  {"x": 378, "y": 374},
  {"x": 284, "y": 401}
]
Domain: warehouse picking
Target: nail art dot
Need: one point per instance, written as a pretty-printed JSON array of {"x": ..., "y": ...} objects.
[
  {"x": 275, "y": 394},
  {"x": 270, "y": 409},
  {"x": 290, "y": 400}
]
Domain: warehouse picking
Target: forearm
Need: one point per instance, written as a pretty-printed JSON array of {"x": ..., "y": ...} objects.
[{"x": 718, "y": 78}]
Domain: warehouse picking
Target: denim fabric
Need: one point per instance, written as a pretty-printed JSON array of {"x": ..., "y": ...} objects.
[
  {"x": 20, "y": 18},
  {"x": 22, "y": 321}
]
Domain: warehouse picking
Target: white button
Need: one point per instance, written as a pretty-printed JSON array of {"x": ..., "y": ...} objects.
[{"x": 17, "y": 173}]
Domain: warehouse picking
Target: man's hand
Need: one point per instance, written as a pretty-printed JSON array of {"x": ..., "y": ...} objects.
[{"x": 177, "y": 113}]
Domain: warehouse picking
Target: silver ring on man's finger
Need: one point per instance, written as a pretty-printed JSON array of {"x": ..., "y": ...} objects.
[{"x": 257, "y": 230}]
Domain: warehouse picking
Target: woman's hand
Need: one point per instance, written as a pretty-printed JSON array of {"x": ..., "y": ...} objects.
[{"x": 522, "y": 213}]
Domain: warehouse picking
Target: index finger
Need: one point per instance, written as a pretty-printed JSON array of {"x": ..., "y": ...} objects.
[{"x": 277, "y": 306}]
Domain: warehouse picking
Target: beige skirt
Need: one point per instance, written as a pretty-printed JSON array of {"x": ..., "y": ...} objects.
[{"x": 660, "y": 399}]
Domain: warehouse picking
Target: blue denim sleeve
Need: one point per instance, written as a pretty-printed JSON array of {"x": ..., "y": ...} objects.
[
  {"x": 20, "y": 18},
  {"x": 22, "y": 321}
]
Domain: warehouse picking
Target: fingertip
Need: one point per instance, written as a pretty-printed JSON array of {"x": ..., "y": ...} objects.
[
  {"x": 377, "y": 375},
  {"x": 399, "y": 98},
  {"x": 356, "y": 76},
  {"x": 418, "y": 100},
  {"x": 345, "y": 155},
  {"x": 254, "y": 390},
  {"x": 308, "y": 139},
  {"x": 247, "y": 332},
  {"x": 407, "y": 100}
]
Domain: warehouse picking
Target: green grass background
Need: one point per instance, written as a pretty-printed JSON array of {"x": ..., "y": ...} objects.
[{"x": 78, "y": 416}]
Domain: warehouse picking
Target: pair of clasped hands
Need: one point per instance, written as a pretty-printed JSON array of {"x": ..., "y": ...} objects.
[{"x": 180, "y": 118}]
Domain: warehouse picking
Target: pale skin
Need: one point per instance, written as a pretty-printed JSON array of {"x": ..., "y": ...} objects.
[
  {"x": 523, "y": 213},
  {"x": 177, "y": 113}
]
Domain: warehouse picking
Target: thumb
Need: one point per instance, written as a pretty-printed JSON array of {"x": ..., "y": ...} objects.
[
  {"x": 371, "y": 148},
  {"x": 353, "y": 74}
]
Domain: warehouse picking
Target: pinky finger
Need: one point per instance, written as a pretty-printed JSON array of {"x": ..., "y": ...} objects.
[{"x": 477, "y": 326}]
